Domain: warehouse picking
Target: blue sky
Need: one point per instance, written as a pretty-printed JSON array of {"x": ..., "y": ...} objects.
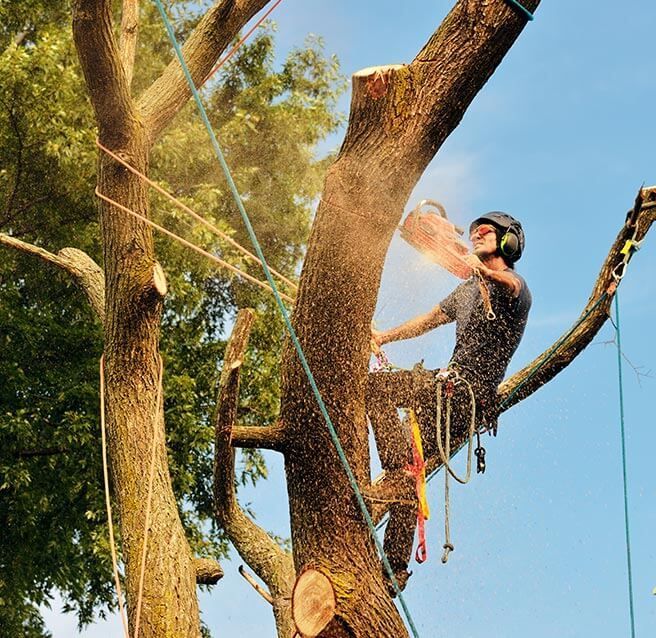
[{"x": 562, "y": 136}]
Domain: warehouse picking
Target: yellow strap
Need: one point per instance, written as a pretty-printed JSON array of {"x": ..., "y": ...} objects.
[{"x": 421, "y": 490}]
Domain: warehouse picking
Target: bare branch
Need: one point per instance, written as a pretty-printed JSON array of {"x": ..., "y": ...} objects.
[
  {"x": 255, "y": 585},
  {"x": 255, "y": 546},
  {"x": 166, "y": 96},
  {"x": 268, "y": 437},
  {"x": 208, "y": 571},
  {"x": 129, "y": 31},
  {"x": 86, "y": 273}
]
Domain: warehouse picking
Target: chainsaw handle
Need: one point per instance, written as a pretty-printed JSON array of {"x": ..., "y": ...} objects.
[
  {"x": 440, "y": 209},
  {"x": 431, "y": 202}
]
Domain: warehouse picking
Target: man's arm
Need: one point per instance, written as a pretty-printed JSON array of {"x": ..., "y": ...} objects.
[{"x": 413, "y": 328}]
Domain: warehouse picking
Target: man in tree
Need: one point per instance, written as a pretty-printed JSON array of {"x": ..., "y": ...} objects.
[{"x": 485, "y": 342}]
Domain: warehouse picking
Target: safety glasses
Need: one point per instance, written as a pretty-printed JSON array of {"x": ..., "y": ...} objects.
[{"x": 481, "y": 231}]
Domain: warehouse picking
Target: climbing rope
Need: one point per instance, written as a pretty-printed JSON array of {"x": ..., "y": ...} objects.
[
  {"x": 108, "y": 503},
  {"x": 624, "y": 473},
  {"x": 283, "y": 311},
  {"x": 450, "y": 378},
  {"x": 188, "y": 244},
  {"x": 521, "y": 9},
  {"x": 149, "y": 498},
  {"x": 211, "y": 227}
]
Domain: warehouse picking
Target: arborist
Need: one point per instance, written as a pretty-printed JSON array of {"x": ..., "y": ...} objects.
[{"x": 485, "y": 341}]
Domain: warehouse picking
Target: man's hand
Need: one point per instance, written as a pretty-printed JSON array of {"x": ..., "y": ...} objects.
[{"x": 378, "y": 338}]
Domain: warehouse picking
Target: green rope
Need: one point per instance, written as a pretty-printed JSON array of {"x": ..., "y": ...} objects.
[
  {"x": 292, "y": 333},
  {"x": 551, "y": 352},
  {"x": 626, "y": 497},
  {"x": 521, "y": 8}
]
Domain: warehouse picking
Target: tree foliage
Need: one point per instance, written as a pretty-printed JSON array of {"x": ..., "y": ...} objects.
[{"x": 51, "y": 497}]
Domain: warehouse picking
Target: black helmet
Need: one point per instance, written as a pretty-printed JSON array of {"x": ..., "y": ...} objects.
[{"x": 510, "y": 234}]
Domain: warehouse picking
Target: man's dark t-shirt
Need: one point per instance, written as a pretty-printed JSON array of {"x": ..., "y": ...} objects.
[{"x": 484, "y": 347}]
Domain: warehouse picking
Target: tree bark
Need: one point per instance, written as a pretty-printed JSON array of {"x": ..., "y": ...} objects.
[{"x": 399, "y": 118}]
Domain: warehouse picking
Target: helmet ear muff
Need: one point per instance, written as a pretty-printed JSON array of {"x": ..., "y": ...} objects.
[{"x": 509, "y": 244}]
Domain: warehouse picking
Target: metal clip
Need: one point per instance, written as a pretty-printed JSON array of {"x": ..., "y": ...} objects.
[
  {"x": 480, "y": 459},
  {"x": 447, "y": 549}
]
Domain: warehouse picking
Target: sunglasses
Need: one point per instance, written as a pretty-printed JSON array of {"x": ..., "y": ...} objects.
[{"x": 481, "y": 231}]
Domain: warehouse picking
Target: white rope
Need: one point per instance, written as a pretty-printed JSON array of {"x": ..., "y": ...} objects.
[{"x": 445, "y": 450}]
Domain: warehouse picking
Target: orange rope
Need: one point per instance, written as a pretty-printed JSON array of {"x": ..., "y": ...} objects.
[
  {"x": 230, "y": 53},
  {"x": 149, "y": 500},
  {"x": 188, "y": 210},
  {"x": 108, "y": 504},
  {"x": 188, "y": 244}
]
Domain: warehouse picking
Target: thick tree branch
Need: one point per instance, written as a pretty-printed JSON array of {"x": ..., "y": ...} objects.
[
  {"x": 103, "y": 70},
  {"x": 166, "y": 96},
  {"x": 554, "y": 359},
  {"x": 267, "y": 437},
  {"x": 129, "y": 32},
  {"x": 86, "y": 273},
  {"x": 255, "y": 546}
]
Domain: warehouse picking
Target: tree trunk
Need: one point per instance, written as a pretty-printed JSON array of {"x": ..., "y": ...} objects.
[
  {"x": 400, "y": 116},
  {"x": 135, "y": 421}
]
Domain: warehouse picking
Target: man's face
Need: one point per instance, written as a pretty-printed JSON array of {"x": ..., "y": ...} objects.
[{"x": 484, "y": 240}]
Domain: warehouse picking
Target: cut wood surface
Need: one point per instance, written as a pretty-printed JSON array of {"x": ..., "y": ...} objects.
[{"x": 313, "y": 603}]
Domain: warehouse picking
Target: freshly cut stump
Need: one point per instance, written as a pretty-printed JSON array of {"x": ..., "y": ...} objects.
[{"x": 313, "y": 603}]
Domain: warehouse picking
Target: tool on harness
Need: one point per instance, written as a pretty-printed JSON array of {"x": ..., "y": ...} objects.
[
  {"x": 432, "y": 234},
  {"x": 479, "y": 452}
]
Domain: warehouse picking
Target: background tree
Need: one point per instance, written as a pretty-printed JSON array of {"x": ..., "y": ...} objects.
[{"x": 51, "y": 343}]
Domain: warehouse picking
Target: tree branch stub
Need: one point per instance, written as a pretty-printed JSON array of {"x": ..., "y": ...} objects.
[
  {"x": 313, "y": 602},
  {"x": 85, "y": 272},
  {"x": 208, "y": 571}
]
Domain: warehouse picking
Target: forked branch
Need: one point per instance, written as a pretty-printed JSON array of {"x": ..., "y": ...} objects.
[{"x": 273, "y": 565}]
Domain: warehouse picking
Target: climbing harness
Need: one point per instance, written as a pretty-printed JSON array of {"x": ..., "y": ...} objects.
[
  {"x": 285, "y": 315},
  {"x": 428, "y": 229}
]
